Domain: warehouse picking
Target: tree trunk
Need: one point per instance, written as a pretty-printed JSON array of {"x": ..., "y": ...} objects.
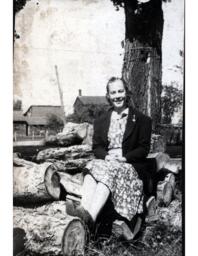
[
  {"x": 49, "y": 230},
  {"x": 142, "y": 59},
  {"x": 68, "y": 153},
  {"x": 34, "y": 183}
]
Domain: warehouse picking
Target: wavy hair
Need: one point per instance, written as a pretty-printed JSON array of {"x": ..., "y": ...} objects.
[{"x": 129, "y": 100}]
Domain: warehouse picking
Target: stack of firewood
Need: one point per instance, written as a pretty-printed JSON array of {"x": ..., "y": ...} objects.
[{"x": 41, "y": 188}]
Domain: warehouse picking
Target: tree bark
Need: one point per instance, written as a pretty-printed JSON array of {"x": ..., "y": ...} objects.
[
  {"x": 66, "y": 153},
  {"x": 49, "y": 230},
  {"x": 34, "y": 183},
  {"x": 142, "y": 59}
]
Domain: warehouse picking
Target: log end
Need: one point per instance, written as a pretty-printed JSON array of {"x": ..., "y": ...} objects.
[
  {"x": 74, "y": 239},
  {"x": 52, "y": 182}
]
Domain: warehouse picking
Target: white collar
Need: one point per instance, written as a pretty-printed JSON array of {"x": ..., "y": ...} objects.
[{"x": 120, "y": 115}]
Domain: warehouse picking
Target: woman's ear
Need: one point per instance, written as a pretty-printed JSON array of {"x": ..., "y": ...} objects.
[{"x": 108, "y": 99}]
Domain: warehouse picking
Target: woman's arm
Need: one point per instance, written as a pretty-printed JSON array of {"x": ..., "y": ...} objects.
[
  {"x": 144, "y": 139},
  {"x": 99, "y": 147}
]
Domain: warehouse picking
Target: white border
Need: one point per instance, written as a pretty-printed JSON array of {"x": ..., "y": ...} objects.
[
  {"x": 6, "y": 17},
  {"x": 191, "y": 123}
]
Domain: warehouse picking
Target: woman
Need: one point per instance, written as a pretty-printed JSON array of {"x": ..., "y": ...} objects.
[{"x": 121, "y": 139}]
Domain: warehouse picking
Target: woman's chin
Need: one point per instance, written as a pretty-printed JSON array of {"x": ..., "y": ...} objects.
[{"x": 119, "y": 107}]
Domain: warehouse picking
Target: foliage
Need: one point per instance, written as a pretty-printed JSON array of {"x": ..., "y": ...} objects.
[
  {"x": 122, "y": 2},
  {"x": 88, "y": 114},
  {"x": 17, "y": 105},
  {"x": 55, "y": 123},
  {"x": 171, "y": 101},
  {"x": 18, "y": 5}
]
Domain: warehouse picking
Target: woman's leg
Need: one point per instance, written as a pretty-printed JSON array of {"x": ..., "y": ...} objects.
[
  {"x": 99, "y": 199},
  {"x": 94, "y": 196},
  {"x": 88, "y": 191}
]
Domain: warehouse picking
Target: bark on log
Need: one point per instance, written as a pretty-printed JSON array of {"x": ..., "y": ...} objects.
[
  {"x": 79, "y": 129},
  {"x": 34, "y": 183},
  {"x": 63, "y": 140},
  {"x": 72, "y": 134},
  {"x": 49, "y": 230},
  {"x": 68, "y": 153},
  {"x": 70, "y": 166}
]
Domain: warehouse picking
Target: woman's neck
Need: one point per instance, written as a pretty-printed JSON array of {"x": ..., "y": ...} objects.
[{"x": 120, "y": 110}]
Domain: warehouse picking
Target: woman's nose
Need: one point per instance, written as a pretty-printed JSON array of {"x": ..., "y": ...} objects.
[{"x": 117, "y": 94}]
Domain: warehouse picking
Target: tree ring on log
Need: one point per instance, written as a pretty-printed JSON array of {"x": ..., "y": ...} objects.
[
  {"x": 74, "y": 238},
  {"x": 52, "y": 182}
]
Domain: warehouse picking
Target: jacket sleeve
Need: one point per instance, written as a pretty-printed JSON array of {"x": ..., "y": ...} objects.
[
  {"x": 99, "y": 147},
  {"x": 144, "y": 139}
]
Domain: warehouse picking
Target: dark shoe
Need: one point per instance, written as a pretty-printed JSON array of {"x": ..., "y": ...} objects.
[
  {"x": 127, "y": 229},
  {"x": 77, "y": 210}
]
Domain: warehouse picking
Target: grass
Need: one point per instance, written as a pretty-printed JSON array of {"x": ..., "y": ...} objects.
[{"x": 156, "y": 239}]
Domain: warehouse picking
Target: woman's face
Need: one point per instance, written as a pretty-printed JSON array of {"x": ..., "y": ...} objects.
[{"x": 117, "y": 95}]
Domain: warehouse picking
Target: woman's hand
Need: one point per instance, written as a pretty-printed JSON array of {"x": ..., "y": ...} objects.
[
  {"x": 121, "y": 159},
  {"x": 109, "y": 158},
  {"x": 115, "y": 158}
]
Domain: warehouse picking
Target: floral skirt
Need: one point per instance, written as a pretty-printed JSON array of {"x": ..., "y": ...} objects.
[{"x": 123, "y": 182}]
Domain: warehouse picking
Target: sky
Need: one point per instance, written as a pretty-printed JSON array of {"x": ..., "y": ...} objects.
[{"x": 77, "y": 37}]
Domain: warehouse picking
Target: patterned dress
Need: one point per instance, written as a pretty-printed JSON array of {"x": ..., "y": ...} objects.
[{"x": 121, "y": 178}]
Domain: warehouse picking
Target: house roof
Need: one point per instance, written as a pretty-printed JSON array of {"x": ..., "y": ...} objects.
[
  {"x": 43, "y": 110},
  {"x": 39, "y": 114},
  {"x": 95, "y": 100},
  {"x": 18, "y": 116}
]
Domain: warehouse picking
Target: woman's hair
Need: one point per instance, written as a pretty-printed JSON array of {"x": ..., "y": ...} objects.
[{"x": 129, "y": 100}]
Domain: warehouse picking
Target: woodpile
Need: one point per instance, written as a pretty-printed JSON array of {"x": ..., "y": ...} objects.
[
  {"x": 48, "y": 229},
  {"x": 56, "y": 176}
]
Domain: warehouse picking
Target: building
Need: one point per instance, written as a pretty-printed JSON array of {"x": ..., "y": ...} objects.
[
  {"x": 82, "y": 103},
  {"x": 35, "y": 121},
  {"x": 43, "y": 111}
]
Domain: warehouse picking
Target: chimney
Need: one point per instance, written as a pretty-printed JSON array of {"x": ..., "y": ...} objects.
[{"x": 79, "y": 92}]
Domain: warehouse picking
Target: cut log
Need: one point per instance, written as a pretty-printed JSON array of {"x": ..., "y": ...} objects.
[
  {"x": 63, "y": 140},
  {"x": 34, "y": 183},
  {"x": 157, "y": 144},
  {"x": 72, "y": 165},
  {"x": 72, "y": 184},
  {"x": 161, "y": 159},
  {"x": 49, "y": 230},
  {"x": 66, "y": 153},
  {"x": 79, "y": 129},
  {"x": 174, "y": 165},
  {"x": 72, "y": 134}
]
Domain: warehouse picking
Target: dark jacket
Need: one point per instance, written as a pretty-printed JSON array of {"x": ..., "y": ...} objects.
[{"x": 136, "y": 140}]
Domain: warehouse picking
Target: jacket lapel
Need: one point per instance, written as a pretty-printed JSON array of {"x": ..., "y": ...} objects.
[
  {"x": 131, "y": 121},
  {"x": 106, "y": 124}
]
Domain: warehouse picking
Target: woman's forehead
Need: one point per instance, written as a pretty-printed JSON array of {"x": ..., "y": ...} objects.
[{"x": 116, "y": 85}]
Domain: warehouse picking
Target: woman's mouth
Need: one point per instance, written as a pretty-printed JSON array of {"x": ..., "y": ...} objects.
[{"x": 119, "y": 100}]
